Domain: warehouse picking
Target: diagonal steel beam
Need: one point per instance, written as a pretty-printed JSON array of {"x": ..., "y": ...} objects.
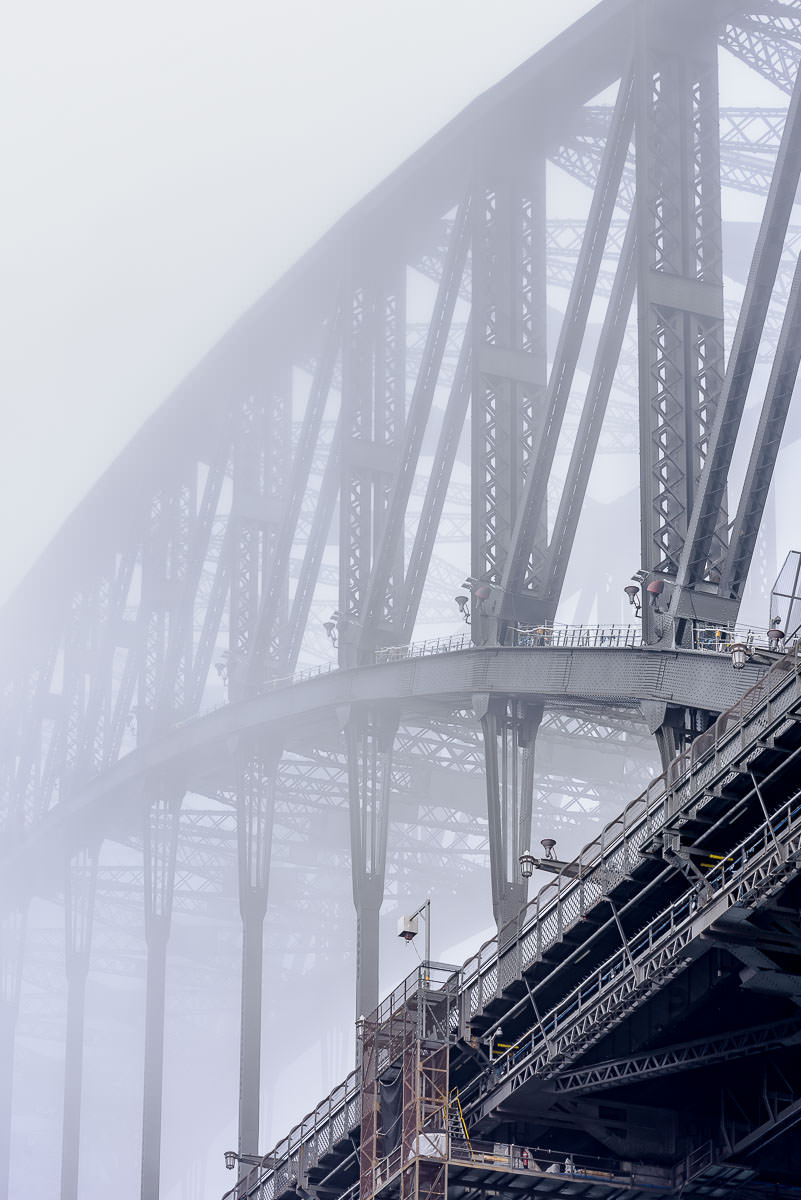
[
  {"x": 592, "y": 416},
  {"x": 416, "y": 423},
  {"x": 442, "y": 466},
  {"x": 265, "y": 628},
  {"x": 532, "y": 508},
  {"x": 765, "y": 264},
  {"x": 765, "y": 448}
]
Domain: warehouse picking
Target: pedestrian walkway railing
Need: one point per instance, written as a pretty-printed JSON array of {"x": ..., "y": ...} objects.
[
  {"x": 706, "y": 639},
  {"x": 562, "y": 903},
  {"x": 613, "y": 855},
  {"x": 657, "y": 950}
]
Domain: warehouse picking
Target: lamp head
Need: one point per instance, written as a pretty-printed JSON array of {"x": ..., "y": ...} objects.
[
  {"x": 739, "y": 655},
  {"x": 526, "y": 861},
  {"x": 230, "y": 1159}
]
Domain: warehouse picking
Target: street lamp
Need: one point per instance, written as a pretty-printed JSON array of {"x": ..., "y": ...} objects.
[
  {"x": 248, "y": 1160},
  {"x": 775, "y": 638},
  {"x": 633, "y": 593},
  {"x": 549, "y": 861},
  {"x": 739, "y": 655},
  {"x": 527, "y": 861},
  {"x": 464, "y": 607},
  {"x": 407, "y": 927}
]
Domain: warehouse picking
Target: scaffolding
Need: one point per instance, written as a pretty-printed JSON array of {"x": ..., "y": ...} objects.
[{"x": 405, "y": 1052}]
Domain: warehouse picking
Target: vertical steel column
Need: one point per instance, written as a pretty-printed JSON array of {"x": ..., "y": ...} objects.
[
  {"x": 509, "y": 727},
  {"x": 373, "y": 420},
  {"x": 12, "y": 948},
  {"x": 160, "y": 848},
  {"x": 79, "y": 900},
  {"x": 679, "y": 287},
  {"x": 256, "y": 783},
  {"x": 369, "y": 737},
  {"x": 509, "y": 363},
  {"x": 261, "y": 461}
]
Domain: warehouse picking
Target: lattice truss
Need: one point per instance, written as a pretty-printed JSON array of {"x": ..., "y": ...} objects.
[{"x": 422, "y": 400}]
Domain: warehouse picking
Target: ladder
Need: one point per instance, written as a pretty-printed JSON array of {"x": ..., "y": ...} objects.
[{"x": 457, "y": 1126}]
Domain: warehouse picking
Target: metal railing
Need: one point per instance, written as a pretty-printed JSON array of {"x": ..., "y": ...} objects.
[
  {"x": 706, "y": 639},
  {"x": 658, "y": 947},
  {"x": 559, "y": 905},
  {"x": 562, "y": 903}
]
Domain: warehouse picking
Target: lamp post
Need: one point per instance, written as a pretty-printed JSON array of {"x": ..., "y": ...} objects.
[
  {"x": 407, "y": 927},
  {"x": 247, "y": 1160}
]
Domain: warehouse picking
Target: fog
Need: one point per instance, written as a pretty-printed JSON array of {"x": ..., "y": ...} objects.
[{"x": 164, "y": 166}]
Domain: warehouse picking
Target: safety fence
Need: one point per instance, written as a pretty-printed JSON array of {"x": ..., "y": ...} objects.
[
  {"x": 750, "y": 870},
  {"x": 563, "y": 901}
]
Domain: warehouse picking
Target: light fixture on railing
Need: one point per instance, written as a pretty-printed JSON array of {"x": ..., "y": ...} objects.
[
  {"x": 775, "y": 638},
  {"x": 633, "y": 593},
  {"x": 654, "y": 590},
  {"x": 248, "y": 1160},
  {"x": 331, "y": 627},
  {"x": 739, "y": 655},
  {"x": 464, "y": 607},
  {"x": 549, "y": 846},
  {"x": 527, "y": 861}
]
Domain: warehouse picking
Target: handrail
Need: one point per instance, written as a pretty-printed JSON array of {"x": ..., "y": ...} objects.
[
  {"x": 729, "y": 874},
  {"x": 706, "y": 640},
  {"x": 561, "y": 902},
  {"x": 544, "y": 919}
]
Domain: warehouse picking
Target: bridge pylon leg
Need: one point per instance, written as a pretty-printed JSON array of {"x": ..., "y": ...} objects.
[
  {"x": 12, "y": 949},
  {"x": 160, "y": 849},
  {"x": 256, "y": 783},
  {"x": 510, "y": 728},
  {"x": 81, "y": 880},
  {"x": 680, "y": 305},
  {"x": 369, "y": 737}
]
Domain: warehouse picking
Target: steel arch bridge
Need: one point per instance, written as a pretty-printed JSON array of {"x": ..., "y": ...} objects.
[{"x": 231, "y": 673}]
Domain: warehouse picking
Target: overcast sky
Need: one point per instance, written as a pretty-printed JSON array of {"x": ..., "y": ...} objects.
[{"x": 163, "y": 163}]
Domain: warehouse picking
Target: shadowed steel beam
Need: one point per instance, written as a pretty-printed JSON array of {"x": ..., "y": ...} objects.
[
  {"x": 684, "y": 1056},
  {"x": 694, "y": 561},
  {"x": 519, "y": 573}
]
